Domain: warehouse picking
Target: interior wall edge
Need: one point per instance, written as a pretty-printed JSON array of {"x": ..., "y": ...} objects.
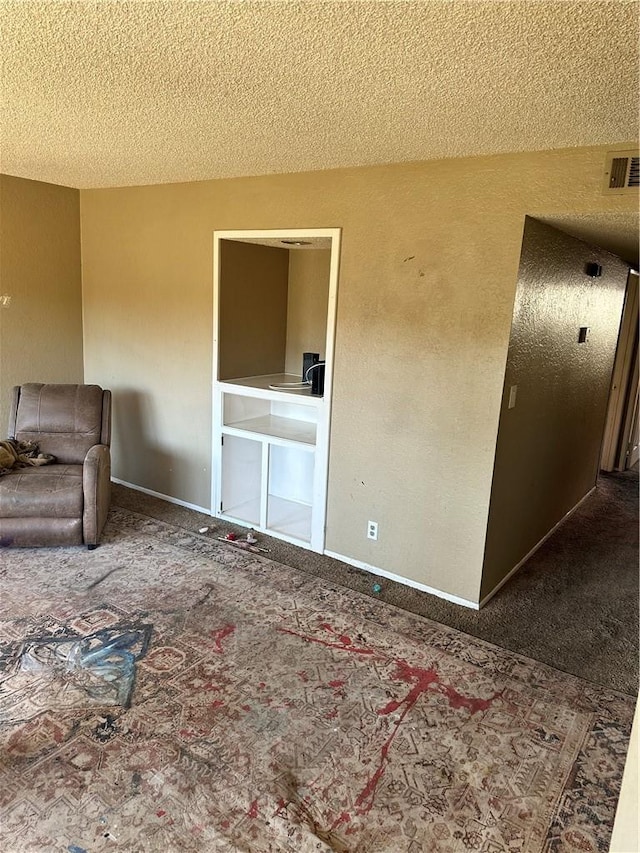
[
  {"x": 41, "y": 337},
  {"x": 555, "y": 391},
  {"x": 485, "y": 599}
]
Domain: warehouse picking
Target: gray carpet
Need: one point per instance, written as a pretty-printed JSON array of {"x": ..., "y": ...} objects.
[{"x": 574, "y": 605}]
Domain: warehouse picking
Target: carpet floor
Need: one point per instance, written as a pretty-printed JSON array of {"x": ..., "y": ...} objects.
[
  {"x": 168, "y": 692},
  {"x": 574, "y": 605}
]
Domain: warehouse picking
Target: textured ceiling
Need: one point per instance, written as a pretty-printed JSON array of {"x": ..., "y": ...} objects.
[{"x": 103, "y": 93}]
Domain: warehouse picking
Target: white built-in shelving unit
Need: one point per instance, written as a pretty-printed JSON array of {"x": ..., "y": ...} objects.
[{"x": 271, "y": 447}]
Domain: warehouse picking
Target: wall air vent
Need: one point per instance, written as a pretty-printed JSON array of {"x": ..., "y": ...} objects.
[{"x": 622, "y": 172}]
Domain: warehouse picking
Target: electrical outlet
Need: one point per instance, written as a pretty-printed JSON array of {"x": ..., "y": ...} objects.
[{"x": 372, "y": 529}]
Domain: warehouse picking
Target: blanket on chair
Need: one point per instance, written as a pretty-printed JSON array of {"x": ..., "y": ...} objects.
[{"x": 21, "y": 454}]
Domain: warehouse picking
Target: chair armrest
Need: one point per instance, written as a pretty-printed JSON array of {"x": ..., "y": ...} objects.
[{"x": 96, "y": 484}]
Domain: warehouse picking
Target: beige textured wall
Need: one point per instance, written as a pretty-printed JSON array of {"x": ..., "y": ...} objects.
[
  {"x": 427, "y": 282},
  {"x": 307, "y": 305},
  {"x": 253, "y": 309},
  {"x": 548, "y": 448},
  {"x": 41, "y": 327}
]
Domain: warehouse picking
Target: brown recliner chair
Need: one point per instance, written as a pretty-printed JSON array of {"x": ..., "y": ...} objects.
[{"x": 66, "y": 502}]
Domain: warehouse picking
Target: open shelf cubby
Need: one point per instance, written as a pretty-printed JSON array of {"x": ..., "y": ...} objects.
[
  {"x": 274, "y": 299},
  {"x": 277, "y": 418}
]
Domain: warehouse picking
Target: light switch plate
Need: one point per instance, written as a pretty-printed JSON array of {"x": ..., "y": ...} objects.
[{"x": 513, "y": 393}]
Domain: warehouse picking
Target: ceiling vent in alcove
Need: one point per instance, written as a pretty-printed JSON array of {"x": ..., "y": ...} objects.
[{"x": 622, "y": 172}]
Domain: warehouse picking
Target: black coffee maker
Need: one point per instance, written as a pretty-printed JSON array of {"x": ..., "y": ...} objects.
[{"x": 313, "y": 372}]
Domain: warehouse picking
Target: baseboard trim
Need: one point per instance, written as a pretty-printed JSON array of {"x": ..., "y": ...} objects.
[
  {"x": 519, "y": 565},
  {"x": 162, "y": 497},
  {"x": 406, "y": 581}
]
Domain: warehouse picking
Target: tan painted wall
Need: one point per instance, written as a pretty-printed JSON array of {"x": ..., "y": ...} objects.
[
  {"x": 253, "y": 309},
  {"x": 41, "y": 327},
  {"x": 307, "y": 305},
  {"x": 548, "y": 449},
  {"x": 427, "y": 282}
]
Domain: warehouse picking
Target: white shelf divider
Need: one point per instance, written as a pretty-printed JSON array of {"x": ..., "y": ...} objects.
[
  {"x": 259, "y": 386},
  {"x": 274, "y": 426}
]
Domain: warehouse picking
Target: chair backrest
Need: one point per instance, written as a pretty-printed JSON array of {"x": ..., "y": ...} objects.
[{"x": 64, "y": 420}]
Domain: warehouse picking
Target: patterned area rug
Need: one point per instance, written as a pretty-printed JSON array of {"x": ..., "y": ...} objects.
[{"x": 168, "y": 692}]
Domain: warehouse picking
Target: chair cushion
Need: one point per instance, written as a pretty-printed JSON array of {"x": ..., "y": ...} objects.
[
  {"x": 52, "y": 491},
  {"x": 63, "y": 420}
]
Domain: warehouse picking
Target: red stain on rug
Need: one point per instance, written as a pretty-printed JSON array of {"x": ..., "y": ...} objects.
[
  {"x": 221, "y": 634},
  {"x": 423, "y": 681},
  {"x": 345, "y": 817}
]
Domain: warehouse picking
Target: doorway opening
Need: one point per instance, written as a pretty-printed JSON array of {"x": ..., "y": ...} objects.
[{"x": 620, "y": 446}]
